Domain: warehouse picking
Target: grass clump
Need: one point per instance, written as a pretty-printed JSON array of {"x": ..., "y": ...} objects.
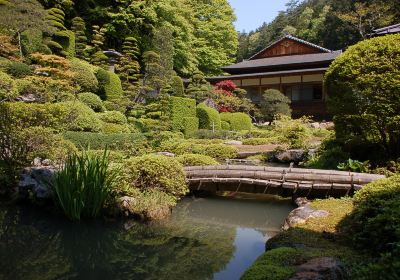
[{"x": 83, "y": 185}]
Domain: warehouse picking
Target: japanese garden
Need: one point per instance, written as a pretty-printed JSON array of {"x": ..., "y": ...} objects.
[{"x": 144, "y": 139}]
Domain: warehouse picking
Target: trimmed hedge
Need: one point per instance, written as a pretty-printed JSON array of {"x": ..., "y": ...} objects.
[
  {"x": 180, "y": 108},
  {"x": 92, "y": 100},
  {"x": 225, "y": 125},
  {"x": 84, "y": 75},
  {"x": 112, "y": 128},
  {"x": 113, "y": 87},
  {"x": 237, "y": 121},
  {"x": 98, "y": 141},
  {"x": 115, "y": 117},
  {"x": 191, "y": 125},
  {"x": 177, "y": 86},
  {"x": 208, "y": 117},
  {"x": 196, "y": 160}
]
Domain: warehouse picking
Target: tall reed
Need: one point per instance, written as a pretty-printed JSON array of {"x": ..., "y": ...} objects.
[{"x": 83, "y": 185}]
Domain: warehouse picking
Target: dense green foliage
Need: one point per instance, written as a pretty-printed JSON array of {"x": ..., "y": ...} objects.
[
  {"x": 18, "y": 69},
  {"x": 112, "y": 86},
  {"x": 274, "y": 103},
  {"x": 152, "y": 172},
  {"x": 8, "y": 88},
  {"x": 190, "y": 125},
  {"x": 91, "y": 100},
  {"x": 196, "y": 160},
  {"x": 113, "y": 117},
  {"x": 364, "y": 97},
  {"x": 237, "y": 121},
  {"x": 97, "y": 141},
  {"x": 83, "y": 185},
  {"x": 208, "y": 117},
  {"x": 84, "y": 76},
  {"x": 180, "y": 108}
]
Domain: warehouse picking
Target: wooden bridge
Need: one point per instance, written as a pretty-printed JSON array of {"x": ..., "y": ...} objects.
[{"x": 286, "y": 182}]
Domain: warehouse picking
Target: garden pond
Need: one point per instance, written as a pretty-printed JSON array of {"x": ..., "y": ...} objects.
[{"x": 205, "y": 238}]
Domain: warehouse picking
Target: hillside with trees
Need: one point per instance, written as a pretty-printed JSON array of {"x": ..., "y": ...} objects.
[{"x": 333, "y": 24}]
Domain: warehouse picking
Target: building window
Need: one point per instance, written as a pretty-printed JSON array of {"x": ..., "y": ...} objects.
[{"x": 303, "y": 92}]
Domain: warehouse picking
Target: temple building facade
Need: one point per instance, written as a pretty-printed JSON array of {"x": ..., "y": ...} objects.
[{"x": 291, "y": 65}]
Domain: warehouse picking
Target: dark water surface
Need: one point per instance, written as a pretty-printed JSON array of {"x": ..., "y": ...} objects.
[{"x": 206, "y": 238}]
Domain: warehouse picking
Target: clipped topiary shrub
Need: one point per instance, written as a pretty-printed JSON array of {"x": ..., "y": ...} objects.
[
  {"x": 112, "y": 128},
  {"x": 196, "y": 160},
  {"x": 208, "y": 117},
  {"x": 177, "y": 86},
  {"x": 113, "y": 88},
  {"x": 98, "y": 141},
  {"x": 32, "y": 42},
  {"x": 191, "y": 125},
  {"x": 225, "y": 125},
  {"x": 115, "y": 117},
  {"x": 237, "y": 121},
  {"x": 151, "y": 172},
  {"x": 84, "y": 75},
  {"x": 80, "y": 117},
  {"x": 8, "y": 88},
  {"x": 92, "y": 100},
  {"x": 180, "y": 108},
  {"x": 18, "y": 69}
]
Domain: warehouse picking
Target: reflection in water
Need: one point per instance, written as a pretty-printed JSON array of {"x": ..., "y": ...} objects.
[{"x": 204, "y": 239}]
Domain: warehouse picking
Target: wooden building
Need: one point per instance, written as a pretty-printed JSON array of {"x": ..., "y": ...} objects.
[
  {"x": 388, "y": 30},
  {"x": 291, "y": 65}
]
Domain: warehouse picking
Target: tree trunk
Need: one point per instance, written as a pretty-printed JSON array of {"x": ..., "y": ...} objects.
[{"x": 20, "y": 45}]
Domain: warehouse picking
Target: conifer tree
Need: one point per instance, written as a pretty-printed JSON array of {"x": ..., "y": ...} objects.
[
  {"x": 198, "y": 87},
  {"x": 97, "y": 56},
  {"x": 79, "y": 28},
  {"x": 55, "y": 18},
  {"x": 129, "y": 67}
]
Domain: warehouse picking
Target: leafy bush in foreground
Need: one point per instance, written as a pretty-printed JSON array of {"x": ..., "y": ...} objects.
[
  {"x": 237, "y": 121},
  {"x": 83, "y": 185}
]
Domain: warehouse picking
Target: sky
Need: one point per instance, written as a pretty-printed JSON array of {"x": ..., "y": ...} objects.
[{"x": 252, "y": 13}]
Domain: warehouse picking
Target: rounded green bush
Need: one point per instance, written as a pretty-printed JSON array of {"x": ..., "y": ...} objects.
[
  {"x": 115, "y": 117},
  {"x": 196, "y": 160},
  {"x": 225, "y": 125},
  {"x": 92, "y": 100},
  {"x": 237, "y": 121},
  {"x": 8, "y": 87},
  {"x": 375, "y": 221},
  {"x": 208, "y": 117},
  {"x": 84, "y": 75},
  {"x": 112, "y": 128},
  {"x": 18, "y": 69},
  {"x": 79, "y": 117},
  {"x": 156, "y": 172}
]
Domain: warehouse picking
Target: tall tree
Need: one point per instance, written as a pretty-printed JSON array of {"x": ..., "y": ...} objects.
[{"x": 79, "y": 28}]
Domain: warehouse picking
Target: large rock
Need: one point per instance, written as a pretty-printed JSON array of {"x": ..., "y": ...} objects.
[
  {"x": 302, "y": 214},
  {"x": 289, "y": 156},
  {"x": 325, "y": 268},
  {"x": 34, "y": 180}
]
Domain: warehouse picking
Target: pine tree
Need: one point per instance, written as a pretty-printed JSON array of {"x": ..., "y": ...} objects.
[
  {"x": 55, "y": 18},
  {"x": 198, "y": 87},
  {"x": 129, "y": 67},
  {"x": 97, "y": 56},
  {"x": 79, "y": 28}
]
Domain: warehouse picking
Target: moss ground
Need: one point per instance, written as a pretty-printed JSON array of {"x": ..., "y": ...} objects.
[{"x": 318, "y": 237}]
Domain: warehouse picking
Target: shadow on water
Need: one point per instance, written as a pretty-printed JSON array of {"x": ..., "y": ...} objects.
[{"x": 204, "y": 239}]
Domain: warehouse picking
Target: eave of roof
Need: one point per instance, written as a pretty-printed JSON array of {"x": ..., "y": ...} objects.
[
  {"x": 388, "y": 29},
  {"x": 284, "y": 60},
  {"x": 265, "y": 74},
  {"x": 294, "y": 39}
]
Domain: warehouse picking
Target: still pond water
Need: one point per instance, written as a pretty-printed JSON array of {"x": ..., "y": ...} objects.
[{"x": 206, "y": 238}]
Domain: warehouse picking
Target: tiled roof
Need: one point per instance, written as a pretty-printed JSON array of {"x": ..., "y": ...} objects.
[
  {"x": 388, "y": 30},
  {"x": 294, "y": 39},
  {"x": 284, "y": 60},
  {"x": 264, "y": 74}
]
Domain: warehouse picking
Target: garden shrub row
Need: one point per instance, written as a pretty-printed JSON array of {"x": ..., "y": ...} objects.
[{"x": 97, "y": 141}]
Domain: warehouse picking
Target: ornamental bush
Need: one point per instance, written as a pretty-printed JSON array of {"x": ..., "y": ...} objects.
[
  {"x": 151, "y": 172},
  {"x": 364, "y": 88},
  {"x": 274, "y": 103},
  {"x": 180, "y": 108},
  {"x": 208, "y": 117},
  {"x": 196, "y": 160},
  {"x": 115, "y": 117},
  {"x": 113, "y": 128},
  {"x": 91, "y": 100},
  {"x": 18, "y": 69},
  {"x": 177, "y": 86},
  {"x": 8, "y": 87},
  {"x": 79, "y": 117},
  {"x": 237, "y": 121},
  {"x": 84, "y": 76},
  {"x": 113, "y": 87}
]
